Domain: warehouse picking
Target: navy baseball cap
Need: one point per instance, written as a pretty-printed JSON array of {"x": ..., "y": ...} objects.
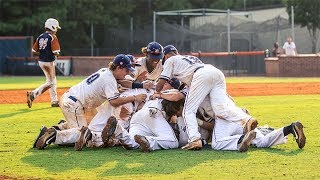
[
  {"x": 169, "y": 48},
  {"x": 123, "y": 61},
  {"x": 155, "y": 50},
  {"x": 174, "y": 82},
  {"x": 133, "y": 60}
]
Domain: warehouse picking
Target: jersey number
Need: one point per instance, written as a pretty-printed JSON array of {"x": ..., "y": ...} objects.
[
  {"x": 92, "y": 78},
  {"x": 43, "y": 43},
  {"x": 192, "y": 60}
]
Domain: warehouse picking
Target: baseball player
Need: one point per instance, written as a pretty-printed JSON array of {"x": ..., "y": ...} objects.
[
  {"x": 203, "y": 80},
  {"x": 148, "y": 68},
  {"x": 48, "y": 47},
  {"x": 149, "y": 129},
  {"x": 89, "y": 94}
]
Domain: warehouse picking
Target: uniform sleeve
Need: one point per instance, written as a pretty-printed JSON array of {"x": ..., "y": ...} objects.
[
  {"x": 55, "y": 46},
  {"x": 167, "y": 69},
  {"x": 111, "y": 91},
  {"x": 35, "y": 47},
  {"x": 293, "y": 45}
]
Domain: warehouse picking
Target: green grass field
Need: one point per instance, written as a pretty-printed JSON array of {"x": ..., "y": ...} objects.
[
  {"x": 20, "y": 125},
  {"x": 18, "y": 82}
]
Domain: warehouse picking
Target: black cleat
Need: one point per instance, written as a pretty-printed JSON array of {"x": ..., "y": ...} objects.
[
  {"x": 297, "y": 131},
  {"x": 245, "y": 144},
  {"x": 43, "y": 130},
  {"x": 47, "y": 138},
  {"x": 85, "y": 136},
  {"x": 108, "y": 130}
]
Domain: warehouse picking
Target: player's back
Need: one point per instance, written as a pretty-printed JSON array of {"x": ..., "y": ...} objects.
[
  {"x": 181, "y": 67},
  {"x": 44, "y": 47},
  {"x": 96, "y": 89}
]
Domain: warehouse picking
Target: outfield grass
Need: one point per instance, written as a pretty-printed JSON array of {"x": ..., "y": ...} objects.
[
  {"x": 32, "y": 82},
  {"x": 20, "y": 125}
]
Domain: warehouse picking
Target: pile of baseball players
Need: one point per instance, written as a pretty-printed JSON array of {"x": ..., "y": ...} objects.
[{"x": 163, "y": 100}]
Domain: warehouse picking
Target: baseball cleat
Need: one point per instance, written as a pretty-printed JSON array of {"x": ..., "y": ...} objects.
[
  {"x": 30, "y": 98},
  {"x": 43, "y": 129},
  {"x": 109, "y": 129},
  {"x": 143, "y": 142},
  {"x": 250, "y": 125},
  {"x": 297, "y": 129},
  {"x": 194, "y": 145},
  {"x": 55, "y": 104},
  {"x": 245, "y": 144},
  {"x": 85, "y": 136},
  {"x": 47, "y": 138}
]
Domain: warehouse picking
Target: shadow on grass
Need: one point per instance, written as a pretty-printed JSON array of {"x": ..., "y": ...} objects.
[
  {"x": 117, "y": 161},
  {"x": 21, "y": 111},
  {"x": 282, "y": 151}
]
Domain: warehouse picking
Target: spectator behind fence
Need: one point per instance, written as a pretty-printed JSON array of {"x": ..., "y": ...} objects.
[
  {"x": 276, "y": 51},
  {"x": 289, "y": 47}
]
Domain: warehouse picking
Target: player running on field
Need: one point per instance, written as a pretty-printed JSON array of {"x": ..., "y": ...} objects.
[{"x": 48, "y": 47}]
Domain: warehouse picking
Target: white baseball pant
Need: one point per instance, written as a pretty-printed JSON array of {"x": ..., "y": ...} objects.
[
  {"x": 49, "y": 71},
  {"x": 209, "y": 81}
]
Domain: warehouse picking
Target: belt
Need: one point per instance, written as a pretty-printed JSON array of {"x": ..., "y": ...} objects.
[
  {"x": 73, "y": 98},
  {"x": 198, "y": 68}
]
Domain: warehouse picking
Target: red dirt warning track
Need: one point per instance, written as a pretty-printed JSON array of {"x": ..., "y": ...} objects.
[{"x": 258, "y": 89}]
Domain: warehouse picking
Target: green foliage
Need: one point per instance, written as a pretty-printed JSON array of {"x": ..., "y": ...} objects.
[
  {"x": 20, "y": 125},
  {"x": 27, "y": 17},
  {"x": 306, "y": 13}
]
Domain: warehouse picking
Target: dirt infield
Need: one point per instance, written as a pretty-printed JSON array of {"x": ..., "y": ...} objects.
[{"x": 259, "y": 89}]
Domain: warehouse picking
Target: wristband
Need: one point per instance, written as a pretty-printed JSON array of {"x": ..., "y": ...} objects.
[{"x": 137, "y": 85}]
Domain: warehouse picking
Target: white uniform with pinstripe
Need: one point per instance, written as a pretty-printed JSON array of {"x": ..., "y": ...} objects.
[
  {"x": 86, "y": 96},
  {"x": 154, "y": 127},
  {"x": 142, "y": 69},
  {"x": 203, "y": 80}
]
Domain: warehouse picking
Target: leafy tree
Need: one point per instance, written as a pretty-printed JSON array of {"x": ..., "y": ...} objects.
[{"x": 306, "y": 13}]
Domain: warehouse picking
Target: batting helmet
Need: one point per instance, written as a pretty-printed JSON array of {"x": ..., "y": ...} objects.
[
  {"x": 52, "y": 24},
  {"x": 155, "y": 50}
]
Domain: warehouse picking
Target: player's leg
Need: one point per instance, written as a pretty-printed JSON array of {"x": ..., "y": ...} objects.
[
  {"x": 73, "y": 112},
  {"x": 227, "y": 136},
  {"x": 163, "y": 135},
  {"x": 201, "y": 85},
  {"x": 46, "y": 68},
  {"x": 225, "y": 108},
  {"x": 53, "y": 89},
  {"x": 273, "y": 138}
]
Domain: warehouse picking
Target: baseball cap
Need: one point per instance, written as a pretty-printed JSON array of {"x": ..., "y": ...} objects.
[
  {"x": 133, "y": 60},
  {"x": 123, "y": 61},
  {"x": 174, "y": 82},
  {"x": 169, "y": 48},
  {"x": 155, "y": 50}
]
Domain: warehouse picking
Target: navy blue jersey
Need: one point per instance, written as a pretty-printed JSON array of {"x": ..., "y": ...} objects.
[{"x": 48, "y": 46}]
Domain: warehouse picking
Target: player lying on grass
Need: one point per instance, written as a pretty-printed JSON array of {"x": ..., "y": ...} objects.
[
  {"x": 149, "y": 127},
  {"x": 227, "y": 135}
]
